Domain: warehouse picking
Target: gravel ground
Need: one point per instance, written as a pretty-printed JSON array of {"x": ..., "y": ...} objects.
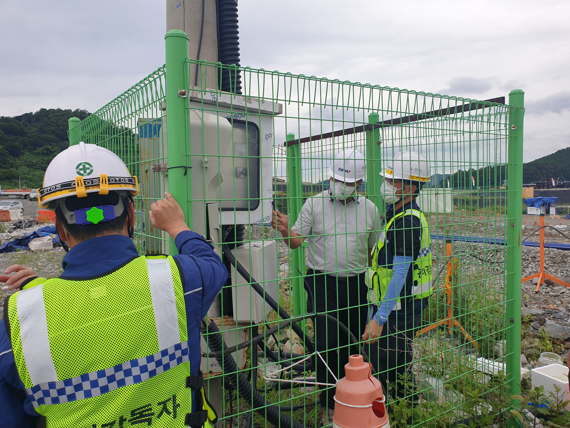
[
  {"x": 552, "y": 303},
  {"x": 47, "y": 265}
]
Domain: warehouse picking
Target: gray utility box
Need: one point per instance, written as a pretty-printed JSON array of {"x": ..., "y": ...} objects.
[{"x": 259, "y": 258}]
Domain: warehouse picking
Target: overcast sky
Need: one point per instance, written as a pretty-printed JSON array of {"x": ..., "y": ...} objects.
[{"x": 78, "y": 54}]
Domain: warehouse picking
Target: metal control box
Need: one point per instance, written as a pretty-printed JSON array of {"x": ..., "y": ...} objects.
[{"x": 259, "y": 258}]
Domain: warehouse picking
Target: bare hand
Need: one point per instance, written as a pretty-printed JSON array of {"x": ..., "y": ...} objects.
[
  {"x": 167, "y": 215},
  {"x": 372, "y": 332},
  {"x": 280, "y": 222},
  {"x": 15, "y": 281}
]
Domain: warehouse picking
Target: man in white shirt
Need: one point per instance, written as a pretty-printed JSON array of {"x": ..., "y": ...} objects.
[{"x": 341, "y": 229}]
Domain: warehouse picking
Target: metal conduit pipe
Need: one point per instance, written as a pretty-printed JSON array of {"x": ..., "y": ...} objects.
[{"x": 228, "y": 46}]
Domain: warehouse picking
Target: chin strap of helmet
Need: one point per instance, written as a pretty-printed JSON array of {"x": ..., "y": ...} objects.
[
  {"x": 126, "y": 201},
  {"x": 64, "y": 243}
]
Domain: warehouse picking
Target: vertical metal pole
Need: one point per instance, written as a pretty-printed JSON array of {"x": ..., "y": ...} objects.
[
  {"x": 294, "y": 205},
  {"x": 374, "y": 164},
  {"x": 74, "y": 133},
  {"x": 514, "y": 238},
  {"x": 177, "y": 122}
]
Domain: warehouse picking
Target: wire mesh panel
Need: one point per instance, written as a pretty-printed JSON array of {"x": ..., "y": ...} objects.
[
  {"x": 442, "y": 350},
  {"x": 353, "y": 219},
  {"x": 131, "y": 126}
]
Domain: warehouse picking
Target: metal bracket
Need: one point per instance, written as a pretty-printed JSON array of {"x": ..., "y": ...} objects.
[
  {"x": 183, "y": 93},
  {"x": 161, "y": 167}
]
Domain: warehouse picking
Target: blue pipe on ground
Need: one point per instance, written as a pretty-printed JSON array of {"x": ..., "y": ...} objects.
[{"x": 496, "y": 241}]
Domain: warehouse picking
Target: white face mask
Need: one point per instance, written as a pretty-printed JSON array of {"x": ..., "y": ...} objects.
[
  {"x": 388, "y": 193},
  {"x": 340, "y": 190}
]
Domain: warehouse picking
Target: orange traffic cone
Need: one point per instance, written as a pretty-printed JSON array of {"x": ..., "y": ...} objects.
[{"x": 359, "y": 401}]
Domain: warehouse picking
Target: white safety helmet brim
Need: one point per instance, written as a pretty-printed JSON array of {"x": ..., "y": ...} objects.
[
  {"x": 82, "y": 169},
  {"x": 408, "y": 165},
  {"x": 348, "y": 166}
]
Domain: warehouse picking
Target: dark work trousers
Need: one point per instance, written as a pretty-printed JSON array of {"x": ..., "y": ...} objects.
[
  {"x": 345, "y": 300},
  {"x": 392, "y": 354}
]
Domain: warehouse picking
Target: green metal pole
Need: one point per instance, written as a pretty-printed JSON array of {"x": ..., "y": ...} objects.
[
  {"x": 177, "y": 122},
  {"x": 74, "y": 133},
  {"x": 294, "y": 206},
  {"x": 374, "y": 164},
  {"x": 514, "y": 251}
]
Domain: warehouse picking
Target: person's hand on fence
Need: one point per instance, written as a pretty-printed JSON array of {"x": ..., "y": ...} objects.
[
  {"x": 168, "y": 216},
  {"x": 280, "y": 222},
  {"x": 372, "y": 332},
  {"x": 15, "y": 281}
]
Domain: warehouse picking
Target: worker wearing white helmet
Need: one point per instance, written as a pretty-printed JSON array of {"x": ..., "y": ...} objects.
[
  {"x": 115, "y": 339},
  {"x": 340, "y": 227},
  {"x": 400, "y": 279}
]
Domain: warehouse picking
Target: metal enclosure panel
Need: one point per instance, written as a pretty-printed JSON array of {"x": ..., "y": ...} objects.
[{"x": 259, "y": 259}]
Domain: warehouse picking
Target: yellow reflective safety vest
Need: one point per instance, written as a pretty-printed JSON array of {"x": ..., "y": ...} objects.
[
  {"x": 108, "y": 351},
  {"x": 378, "y": 277}
]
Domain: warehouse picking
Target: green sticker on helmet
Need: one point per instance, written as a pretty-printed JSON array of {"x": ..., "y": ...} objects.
[
  {"x": 84, "y": 169},
  {"x": 95, "y": 215}
]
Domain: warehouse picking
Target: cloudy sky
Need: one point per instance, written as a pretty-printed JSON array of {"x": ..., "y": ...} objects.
[{"x": 79, "y": 54}]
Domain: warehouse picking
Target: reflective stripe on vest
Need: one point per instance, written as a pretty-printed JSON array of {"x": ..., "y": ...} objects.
[
  {"x": 164, "y": 302},
  {"x": 34, "y": 335},
  {"x": 102, "y": 381},
  {"x": 33, "y": 321},
  {"x": 378, "y": 277}
]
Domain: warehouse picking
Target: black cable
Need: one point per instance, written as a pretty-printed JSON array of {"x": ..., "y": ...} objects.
[
  {"x": 544, "y": 227},
  {"x": 257, "y": 402},
  {"x": 199, "y": 47},
  {"x": 344, "y": 328}
]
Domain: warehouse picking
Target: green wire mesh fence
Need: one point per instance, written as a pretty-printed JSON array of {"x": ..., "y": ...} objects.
[{"x": 232, "y": 159}]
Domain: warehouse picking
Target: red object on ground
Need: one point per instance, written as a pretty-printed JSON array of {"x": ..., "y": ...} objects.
[
  {"x": 359, "y": 401},
  {"x": 46, "y": 216},
  {"x": 4, "y": 215}
]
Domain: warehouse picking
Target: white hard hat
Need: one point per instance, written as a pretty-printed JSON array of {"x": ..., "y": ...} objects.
[
  {"x": 408, "y": 165},
  {"x": 348, "y": 166},
  {"x": 82, "y": 169}
]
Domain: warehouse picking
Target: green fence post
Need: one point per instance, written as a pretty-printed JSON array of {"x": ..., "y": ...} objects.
[
  {"x": 177, "y": 122},
  {"x": 374, "y": 164},
  {"x": 514, "y": 251},
  {"x": 74, "y": 132},
  {"x": 294, "y": 205}
]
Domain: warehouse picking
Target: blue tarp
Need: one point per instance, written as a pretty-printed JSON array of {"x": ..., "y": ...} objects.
[
  {"x": 538, "y": 202},
  {"x": 22, "y": 243},
  {"x": 478, "y": 240}
]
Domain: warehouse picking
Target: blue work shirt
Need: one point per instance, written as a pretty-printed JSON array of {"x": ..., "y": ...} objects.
[{"x": 203, "y": 274}]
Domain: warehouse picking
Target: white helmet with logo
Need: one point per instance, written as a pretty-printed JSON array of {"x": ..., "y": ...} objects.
[
  {"x": 348, "y": 166},
  {"x": 408, "y": 165},
  {"x": 82, "y": 169}
]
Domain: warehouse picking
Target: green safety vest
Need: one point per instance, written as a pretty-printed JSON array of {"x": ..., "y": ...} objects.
[
  {"x": 108, "y": 351},
  {"x": 378, "y": 277}
]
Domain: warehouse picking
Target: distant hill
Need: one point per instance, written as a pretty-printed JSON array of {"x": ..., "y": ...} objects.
[
  {"x": 555, "y": 165},
  {"x": 29, "y": 142}
]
